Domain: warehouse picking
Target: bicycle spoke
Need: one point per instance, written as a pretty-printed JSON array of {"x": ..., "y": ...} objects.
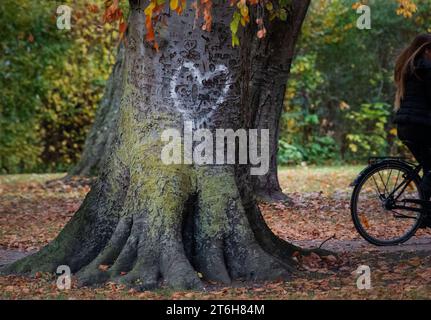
[
  {"x": 396, "y": 182},
  {"x": 377, "y": 186},
  {"x": 389, "y": 177},
  {"x": 381, "y": 179}
]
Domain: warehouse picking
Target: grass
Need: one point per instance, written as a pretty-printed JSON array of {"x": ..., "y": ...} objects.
[
  {"x": 308, "y": 175},
  {"x": 11, "y": 179},
  {"x": 328, "y": 179}
]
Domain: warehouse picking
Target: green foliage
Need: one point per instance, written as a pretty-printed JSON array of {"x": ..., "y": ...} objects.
[
  {"x": 320, "y": 150},
  {"x": 343, "y": 77},
  {"x": 70, "y": 105},
  {"x": 50, "y": 83},
  {"x": 22, "y": 62},
  {"x": 368, "y": 134},
  {"x": 303, "y": 138},
  {"x": 288, "y": 154}
]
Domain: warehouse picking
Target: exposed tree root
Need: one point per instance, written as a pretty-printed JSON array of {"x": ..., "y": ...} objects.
[
  {"x": 273, "y": 197},
  {"x": 223, "y": 246},
  {"x": 162, "y": 239}
]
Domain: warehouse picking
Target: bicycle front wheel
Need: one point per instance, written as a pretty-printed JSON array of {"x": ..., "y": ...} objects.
[{"x": 375, "y": 221}]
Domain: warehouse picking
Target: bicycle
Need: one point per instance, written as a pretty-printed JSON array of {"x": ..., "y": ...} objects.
[{"x": 387, "y": 203}]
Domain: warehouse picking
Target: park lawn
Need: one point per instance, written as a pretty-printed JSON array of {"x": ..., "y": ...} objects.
[
  {"x": 34, "y": 208},
  {"x": 327, "y": 179}
]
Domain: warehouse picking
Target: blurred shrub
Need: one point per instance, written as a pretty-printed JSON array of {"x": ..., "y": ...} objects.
[
  {"x": 288, "y": 154},
  {"x": 368, "y": 134},
  {"x": 50, "y": 82},
  {"x": 320, "y": 150},
  {"x": 338, "y": 104}
]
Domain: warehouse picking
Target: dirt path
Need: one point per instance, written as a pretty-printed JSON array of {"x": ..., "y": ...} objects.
[
  {"x": 9, "y": 256},
  {"x": 413, "y": 245},
  {"x": 338, "y": 246}
]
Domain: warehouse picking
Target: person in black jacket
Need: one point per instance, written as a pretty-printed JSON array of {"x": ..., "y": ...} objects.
[{"x": 413, "y": 100}]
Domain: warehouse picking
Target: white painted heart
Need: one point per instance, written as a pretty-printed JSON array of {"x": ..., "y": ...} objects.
[{"x": 196, "y": 73}]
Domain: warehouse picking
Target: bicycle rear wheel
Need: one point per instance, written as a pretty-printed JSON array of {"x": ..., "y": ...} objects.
[{"x": 371, "y": 216}]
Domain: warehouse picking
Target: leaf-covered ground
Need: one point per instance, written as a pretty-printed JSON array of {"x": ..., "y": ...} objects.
[{"x": 33, "y": 211}]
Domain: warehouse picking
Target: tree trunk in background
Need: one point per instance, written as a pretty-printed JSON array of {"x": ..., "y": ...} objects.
[
  {"x": 100, "y": 137},
  {"x": 270, "y": 61},
  {"x": 155, "y": 224},
  {"x": 270, "y": 64}
]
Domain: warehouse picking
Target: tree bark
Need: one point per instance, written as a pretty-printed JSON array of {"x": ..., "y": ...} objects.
[
  {"x": 155, "y": 224},
  {"x": 269, "y": 61}
]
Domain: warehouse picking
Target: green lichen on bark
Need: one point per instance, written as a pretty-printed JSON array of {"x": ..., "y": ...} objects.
[{"x": 216, "y": 188}]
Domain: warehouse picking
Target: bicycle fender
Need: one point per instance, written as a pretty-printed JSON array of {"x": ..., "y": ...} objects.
[
  {"x": 371, "y": 167},
  {"x": 361, "y": 175}
]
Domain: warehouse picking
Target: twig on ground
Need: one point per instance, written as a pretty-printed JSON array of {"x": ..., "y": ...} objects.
[{"x": 330, "y": 238}]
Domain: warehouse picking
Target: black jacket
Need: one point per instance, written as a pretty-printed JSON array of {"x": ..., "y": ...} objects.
[{"x": 415, "y": 107}]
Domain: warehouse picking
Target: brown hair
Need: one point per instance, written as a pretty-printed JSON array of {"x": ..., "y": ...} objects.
[{"x": 406, "y": 63}]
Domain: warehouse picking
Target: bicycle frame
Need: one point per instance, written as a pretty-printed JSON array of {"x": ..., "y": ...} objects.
[{"x": 425, "y": 204}]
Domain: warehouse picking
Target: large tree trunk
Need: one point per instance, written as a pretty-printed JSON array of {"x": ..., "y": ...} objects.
[
  {"x": 159, "y": 224},
  {"x": 269, "y": 61}
]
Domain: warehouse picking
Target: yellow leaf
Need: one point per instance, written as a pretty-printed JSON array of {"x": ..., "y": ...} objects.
[
  {"x": 353, "y": 147},
  {"x": 244, "y": 11},
  {"x": 173, "y": 4},
  {"x": 149, "y": 9}
]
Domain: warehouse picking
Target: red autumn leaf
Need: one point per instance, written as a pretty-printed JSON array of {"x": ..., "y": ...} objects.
[
  {"x": 122, "y": 28},
  {"x": 112, "y": 13},
  {"x": 261, "y": 33},
  {"x": 156, "y": 46},
  {"x": 93, "y": 8}
]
